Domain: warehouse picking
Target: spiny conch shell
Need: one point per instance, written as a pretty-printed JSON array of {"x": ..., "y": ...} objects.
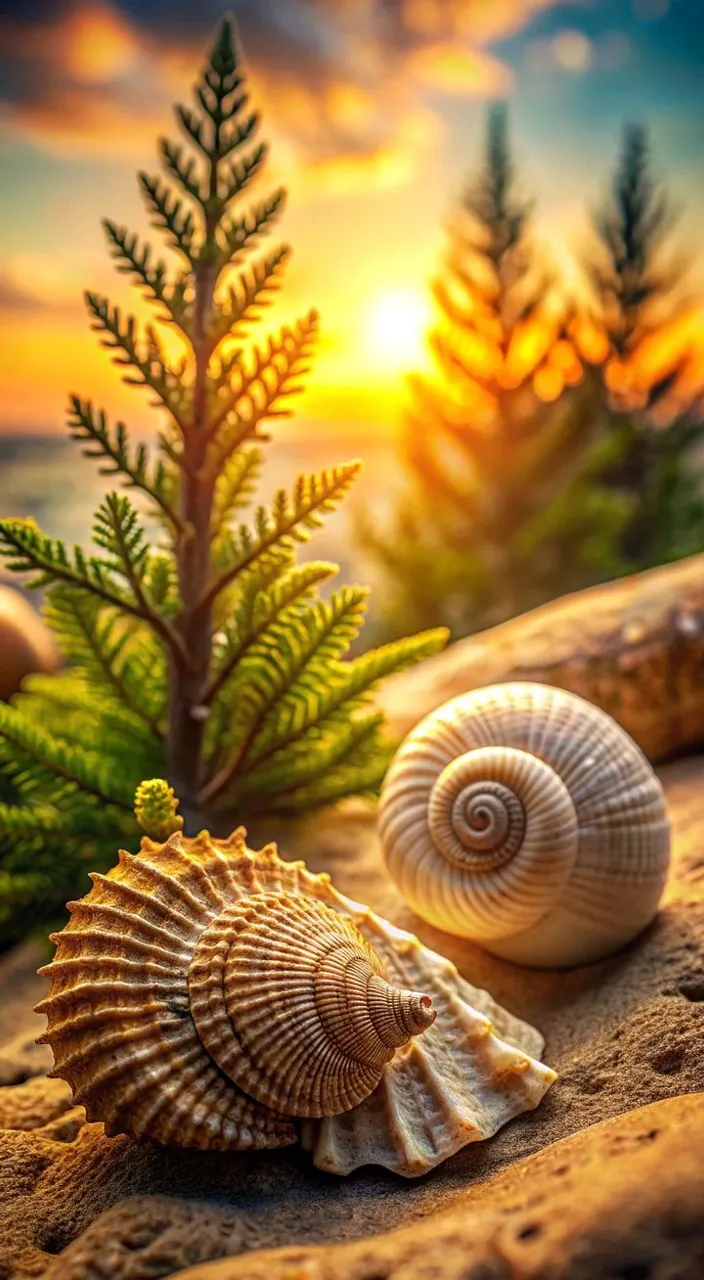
[
  {"x": 204, "y": 995},
  {"x": 526, "y": 819}
]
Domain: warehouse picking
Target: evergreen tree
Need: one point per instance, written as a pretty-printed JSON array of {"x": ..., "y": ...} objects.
[
  {"x": 505, "y": 508},
  {"x": 638, "y": 288},
  {"x": 209, "y": 658}
]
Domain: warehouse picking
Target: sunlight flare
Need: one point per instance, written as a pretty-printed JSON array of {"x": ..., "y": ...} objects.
[{"x": 398, "y": 322}]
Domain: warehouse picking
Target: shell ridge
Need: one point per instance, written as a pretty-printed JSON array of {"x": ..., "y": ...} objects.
[{"x": 471, "y": 860}]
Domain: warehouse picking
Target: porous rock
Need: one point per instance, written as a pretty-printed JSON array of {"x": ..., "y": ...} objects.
[
  {"x": 622, "y": 1034},
  {"x": 34, "y": 1104},
  {"x": 621, "y": 1200},
  {"x": 151, "y": 1236}
]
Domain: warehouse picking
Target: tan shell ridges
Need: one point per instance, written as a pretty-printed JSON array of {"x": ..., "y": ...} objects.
[
  {"x": 526, "y": 819},
  {"x": 137, "y": 1015},
  {"x": 190, "y": 1004},
  {"x": 473, "y": 1071},
  {"x": 284, "y": 962}
]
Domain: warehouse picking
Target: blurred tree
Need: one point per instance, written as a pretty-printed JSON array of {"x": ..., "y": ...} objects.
[
  {"x": 640, "y": 301},
  {"x": 505, "y": 508}
]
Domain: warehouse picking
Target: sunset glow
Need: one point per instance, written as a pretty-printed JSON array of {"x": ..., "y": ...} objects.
[
  {"x": 374, "y": 126},
  {"x": 398, "y": 322}
]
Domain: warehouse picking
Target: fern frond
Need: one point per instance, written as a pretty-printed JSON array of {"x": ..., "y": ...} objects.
[
  {"x": 257, "y": 618},
  {"x": 236, "y": 234},
  {"x": 321, "y": 704},
  {"x": 118, "y": 531},
  {"x": 168, "y": 213},
  {"x": 135, "y": 259},
  {"x": 47, "y": 821},
  {"x": 234, "y": 487},
  {"x": 251, "y": 292},
  {"x": 268, "y": 692},
  {"x": 362, "y": 780},
  {"x": 104, "y": 646},
  {"x": 289, "y": 520},
  {"x": 71, "y": 710},
  {"x": 257, "y": 391},
  {"x": 28, "y": 550},
  {"x": 157, "y": 483},
  {"x": 182, "y": 168},
  {"x": 92, "y": 772},
  {"x": 316, "y": 756},
  {"x": 149, "y": 365},
  {"x": 240, "y": 173}
]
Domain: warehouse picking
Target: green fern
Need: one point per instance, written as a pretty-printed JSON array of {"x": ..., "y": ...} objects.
[{"x": 210, "y": 659}]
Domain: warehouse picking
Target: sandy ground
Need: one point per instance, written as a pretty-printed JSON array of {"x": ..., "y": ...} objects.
[{"x": 622, "y": 1034}]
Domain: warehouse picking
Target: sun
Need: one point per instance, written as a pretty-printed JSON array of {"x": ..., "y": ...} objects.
[{"x": 397, "y": 325}]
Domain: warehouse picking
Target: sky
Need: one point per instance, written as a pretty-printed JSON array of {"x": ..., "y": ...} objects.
[{"x": 374, "y": 111}]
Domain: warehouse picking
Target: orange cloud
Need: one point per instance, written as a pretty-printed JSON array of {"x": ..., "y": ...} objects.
[
  {"x": 454, "y": 69},
  {"x": 344, "y": 89}
]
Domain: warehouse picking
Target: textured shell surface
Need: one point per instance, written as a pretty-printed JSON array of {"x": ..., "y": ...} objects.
[
  {"x": 526, "y": 819},
  {"x": 205, "y": 995},
  {"x": 293, "y": 1004}
]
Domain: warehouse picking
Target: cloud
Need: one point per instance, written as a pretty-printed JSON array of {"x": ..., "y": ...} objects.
[
  {"x": 16, "y": 300},
  {"x": 345, "y": 84},
  {"x": 37, "y": 284}
]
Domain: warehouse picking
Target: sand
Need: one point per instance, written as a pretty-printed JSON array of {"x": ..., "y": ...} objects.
[{"x": 623, "y": 1034}]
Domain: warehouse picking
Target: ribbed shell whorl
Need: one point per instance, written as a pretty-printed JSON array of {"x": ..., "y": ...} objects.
[
  {"x": 202, "y": 994},
  {"x": 524, "y": 818},
  {"x": 292, "y": 1004}
]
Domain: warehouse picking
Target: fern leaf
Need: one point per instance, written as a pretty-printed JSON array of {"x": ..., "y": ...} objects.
[
  {"x": 89, "y": 771},
  {"x": 312, "y": 758},
  {"x": 182, "y": 168},
  {"x": 240, "y": 173},
  {"x": 265, "y": 596},
  {"x": 287, "y": 521},
  {"x": 245, "y": 299},
  {"x": 135, "y": 259},
  {"x": 238, "y": 233},
  {"x": 157, "y": 482},
  {"x": 118, "y": 531},
  {"x": 103, "y": 645},
  {"x": 348, "y": 779},
  {"x": 71, "y": 709},
  {"x": 28, "y": 550},
  {"x": 234, "y": 487},
  {"x": 324, "y": 700},
  {"x": 237, "y": 134},
  {"x": 150, "y": 368},
  {"x": 168, "y": 213},
  {"x": 258, "y": 391},
  {"x": 268, "y": 693}
]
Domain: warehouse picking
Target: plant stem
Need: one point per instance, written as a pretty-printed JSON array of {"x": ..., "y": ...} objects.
[{"x": 187, "y": 714}]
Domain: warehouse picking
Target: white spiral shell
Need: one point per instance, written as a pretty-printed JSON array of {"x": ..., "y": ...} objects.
[{"x": 526, "y": 819}]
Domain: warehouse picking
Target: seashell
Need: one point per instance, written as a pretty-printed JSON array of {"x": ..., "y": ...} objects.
[
  {"x": 526, "y": 819},
  {"x": 209, "y": 996},
  {"x": 297, "y": 965}
]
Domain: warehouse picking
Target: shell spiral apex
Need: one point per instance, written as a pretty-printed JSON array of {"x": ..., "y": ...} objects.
[
  {"x": 206, "y": 995},
  {"x": 275, "y": 960},
  {"x": 526, "y": 819}
]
